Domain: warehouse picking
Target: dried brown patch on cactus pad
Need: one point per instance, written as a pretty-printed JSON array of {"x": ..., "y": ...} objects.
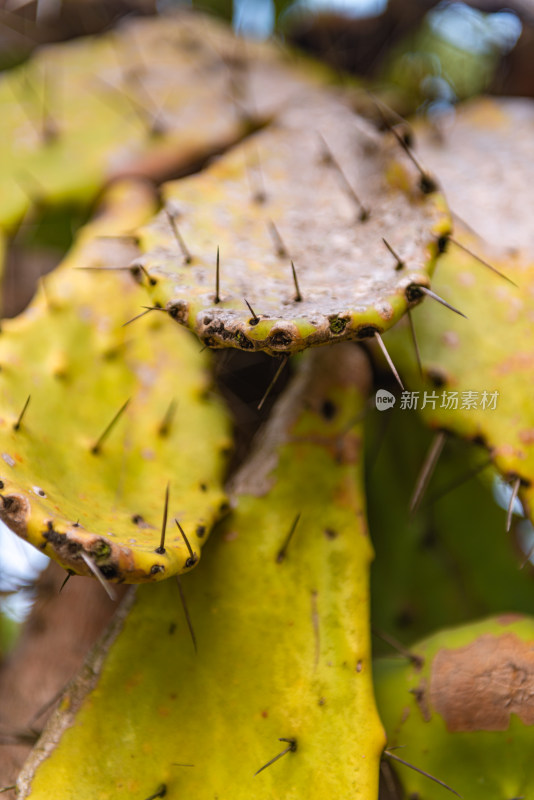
[
  {"x": 478, "y": 687},
  {"x": 333, "y": 190}
]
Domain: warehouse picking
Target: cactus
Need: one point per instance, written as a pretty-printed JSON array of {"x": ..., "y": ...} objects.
[
  {"x": 489, "y": 383},
  {"x": 462, "y": 710},
  {"x": 309, "y": 682},
  {"x": 65, "y": 489},
  {"x": 311, "y": 229},
  {"x": 241, "y": 252},
  {"x": 79, "y": 115}
]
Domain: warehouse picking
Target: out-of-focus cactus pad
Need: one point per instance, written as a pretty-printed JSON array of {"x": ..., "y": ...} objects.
[
  {"x": 70, "y": 352},
  {"x": 482, "y": 156},
  {"x": 464, "y": 712},
  {"x": 282, "y": 634},
  {"x": 155, "y": 97},
  {"x": 477, "y": 372},
  {"x": 282, "y": 196}
]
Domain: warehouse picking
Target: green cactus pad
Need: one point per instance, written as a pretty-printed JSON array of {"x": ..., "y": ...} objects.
[
  {"x": 156, "y": 97},
  {"x": 283, "y": 647},
  {"x": 464, "y": 711},
  {"x": 350, "y": 285},
  {"x": 61, "y": 490}
]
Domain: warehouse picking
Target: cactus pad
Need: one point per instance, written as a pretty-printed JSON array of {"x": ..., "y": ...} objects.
[
  {"x": 478, "y": 371},
  {"x": 282, "y": 633},
  {"x": 288, "y": 194},
  {"x": 156, "y": 97},
  {"x": 65, "y": 490},
  {"x": 482, "y": 157},
  {"x": 463, "y": 712}
]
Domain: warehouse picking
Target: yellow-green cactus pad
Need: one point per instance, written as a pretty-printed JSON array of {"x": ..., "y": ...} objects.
[
  {"x": 156, "y": 97},
  {"x": 282, "y": 635},
  {"x": 464, "y": 711},
  {"x": 478, "y": 372},
  {"x": 65, "y": 490},
  {"x": 309, "y": 167}
]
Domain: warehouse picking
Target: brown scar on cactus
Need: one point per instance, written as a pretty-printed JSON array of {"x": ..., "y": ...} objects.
[
  {"x": 54, "y": 470},
  {"x": 352, "y": 288},
  {"x": 499, "y": 669},
  {"x": 476, "y": 687}
]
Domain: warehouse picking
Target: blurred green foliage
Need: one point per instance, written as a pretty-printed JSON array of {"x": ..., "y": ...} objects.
[
  {"x": 9, "y": 630},
  {"x": 448, "y": 563}
]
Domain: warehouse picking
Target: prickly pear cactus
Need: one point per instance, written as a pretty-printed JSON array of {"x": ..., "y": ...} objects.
[
  {"x": 97, "y": 418},
  {"x": 280, "y": 244},
  {"x": 477, "y": 372},
  {"x": 462, "y": 710},
  {"x": 279, "y": 608},
  {"x": 482, "y": 156},
  {"x": 155, "y": 97}
]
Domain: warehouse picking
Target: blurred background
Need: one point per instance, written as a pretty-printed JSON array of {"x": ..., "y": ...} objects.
[{"x": 434, "y": 52}]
